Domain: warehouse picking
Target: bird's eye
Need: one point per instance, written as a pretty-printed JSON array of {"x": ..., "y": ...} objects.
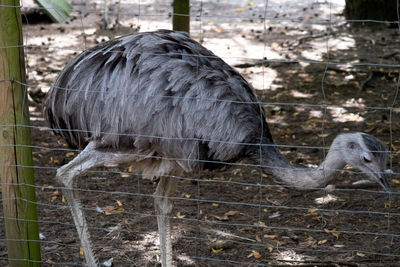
[
  {"x": 351, "y": 145},
  {"x": 367, "y": 160}
]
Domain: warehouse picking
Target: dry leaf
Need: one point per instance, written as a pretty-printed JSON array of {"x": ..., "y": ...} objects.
[
  {"x": 187, "y": 195},
  {"x": 53, "y": 160},
  {"x": 359, "y": 254},
  {"x": 274, "y": 202},
  {"x": 335, "y": 234},
  {"x": 313, "y": 211},
  {"x": 63, "y": 200},
  {"x": 69, "y": 154},
  {"x": 239, "y": 9},
  {"x": 179, "y": 215},
  {"x": 111, "y": 210},
  {"x": 254, "y": 254},
  {"x": 119, "y": 203},
  {"x": 81, "y": 251},
  {"x": 271, "y": 236},
  {"x": 215, "y": 204},
  {"x": 321, "y": 242},
  {"x": 221, "y": 218},
  {"x": 216, "y": 250},
  {"x": 232, "y": 212},
  {"x": 395, "y": 181},
  {"x": 310, "y": 241},
  {"x": 125, "y": 175},
  {"x": 332, "y": 232}
]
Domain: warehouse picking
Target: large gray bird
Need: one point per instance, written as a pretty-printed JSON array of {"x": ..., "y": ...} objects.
[{"x": 163, "y": 102}]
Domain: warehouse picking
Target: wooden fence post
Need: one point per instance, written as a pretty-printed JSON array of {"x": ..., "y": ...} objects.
[
  {"x": 16, "y": 172},
  {"x": 181, "y": 16}
]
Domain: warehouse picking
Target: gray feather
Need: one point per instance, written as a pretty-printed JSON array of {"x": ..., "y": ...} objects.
[{"x": 160, "y": 84}]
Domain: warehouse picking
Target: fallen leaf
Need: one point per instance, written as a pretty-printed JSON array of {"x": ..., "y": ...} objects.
[
  {"x": 111, "y": 210},
  {"x": 271, "y": 236},
  {"x": 335, "y": 234},
  {"x": 254, "y": 254},
  {"x": 216, "y": 250},
  {"x": 119, "y": 203},
  {"x": 321, "y": 242},
  {"x": 313, "y": 211},
  {"x": 179, "y": 215},
  {"x": 239, "y": 10},
  {"x": 53, "y": 160},
  {"x": 232, "y": 213},
  {"x": 69, "y": 154},
  {"x": 369, "y": 130},
  {"x": 310, "y": 241},
  {"x": 332, "y": 232},
  {"x": 215, "y": 204},
  {"x": 125, "y": 175},
  {"x": 274, "y": 202},
  {"x": 221, "y": 218},
  {"x": 359, "y": 254}
]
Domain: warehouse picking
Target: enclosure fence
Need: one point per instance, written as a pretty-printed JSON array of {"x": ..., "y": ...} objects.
[{"x": 315, "y": 73}]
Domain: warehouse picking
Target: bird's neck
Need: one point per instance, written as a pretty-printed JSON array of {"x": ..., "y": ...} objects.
[{"x": 275, "y": 164}]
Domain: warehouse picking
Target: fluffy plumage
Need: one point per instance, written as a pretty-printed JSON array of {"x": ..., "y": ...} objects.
[
  {"x": 166, "y": 103},
  {"x": 156, "y": 93}
]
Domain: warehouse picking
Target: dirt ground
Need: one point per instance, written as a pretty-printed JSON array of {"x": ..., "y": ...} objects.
[{"x": 237, "y": 216}]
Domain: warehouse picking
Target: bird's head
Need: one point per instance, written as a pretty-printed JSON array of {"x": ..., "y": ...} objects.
[{"x": 366, "y": 153}]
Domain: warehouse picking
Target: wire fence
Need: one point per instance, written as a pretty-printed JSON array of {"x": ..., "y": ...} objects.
[{"x": 315, "y": 73}]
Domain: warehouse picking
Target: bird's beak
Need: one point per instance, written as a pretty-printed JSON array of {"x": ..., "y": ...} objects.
[{"x": 383, "y": 182}]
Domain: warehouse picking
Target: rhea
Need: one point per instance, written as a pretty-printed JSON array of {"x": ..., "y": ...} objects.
[{"x": 163, "y": 102}]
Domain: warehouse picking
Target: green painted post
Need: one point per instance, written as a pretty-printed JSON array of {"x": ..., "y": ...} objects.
[
  {"x": 16, "y": 172},
  {"x": 181, "y": 16}
]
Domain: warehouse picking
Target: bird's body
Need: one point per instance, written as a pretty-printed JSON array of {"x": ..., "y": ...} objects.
[
  {"x": 159, "y": 94},
  {"x": 165, "y": 102}
]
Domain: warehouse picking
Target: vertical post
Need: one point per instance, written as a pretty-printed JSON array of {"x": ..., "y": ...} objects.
[
  {"x": 181, "y": 16},
  {"x": 16, "y": 172}
]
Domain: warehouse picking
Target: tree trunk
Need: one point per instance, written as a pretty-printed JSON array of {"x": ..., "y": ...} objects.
[
  {"x": 16, "y": 172},
  {"x": 371, "y": 10}
]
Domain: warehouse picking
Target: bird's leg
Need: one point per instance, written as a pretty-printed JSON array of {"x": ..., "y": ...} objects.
[
  {"x": 88, "y": 158},
  {"x": 163, "y": 206}
]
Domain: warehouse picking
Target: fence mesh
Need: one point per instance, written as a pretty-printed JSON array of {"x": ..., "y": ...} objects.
[{"x": 315, "y": 73}]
